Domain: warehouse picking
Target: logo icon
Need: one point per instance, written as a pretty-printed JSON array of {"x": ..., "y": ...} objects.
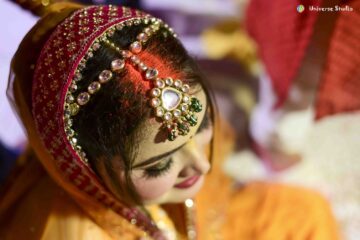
[{"x": 300, "y": 8}]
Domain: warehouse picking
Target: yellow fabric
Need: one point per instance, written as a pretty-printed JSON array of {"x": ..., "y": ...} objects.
[
  {"x": 229, "y": 40},
  {"x": 260, "y": 210},
  {"x": 22, "y": 70},
  {"x": 271, "y": 211},
  {"x": 255, "y": 211},
  {"x": 41, "y": 204},
  {"x": 40, "y": 7},
  {"x": 163, "y": 221},
  {"x": 48, "y": 213}
]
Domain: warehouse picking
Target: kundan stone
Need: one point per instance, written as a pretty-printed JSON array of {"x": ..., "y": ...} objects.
[{"x": 170, "y": 98}]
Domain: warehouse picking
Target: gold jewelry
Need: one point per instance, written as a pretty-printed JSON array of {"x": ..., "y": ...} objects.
[{"x": 170, "y": 98}]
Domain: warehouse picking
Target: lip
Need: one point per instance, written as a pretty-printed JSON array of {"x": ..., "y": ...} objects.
[{"x": 188, "y": 182}]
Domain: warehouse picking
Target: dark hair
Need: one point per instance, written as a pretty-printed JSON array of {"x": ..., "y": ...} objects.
[{"x": 106, "y": 125}]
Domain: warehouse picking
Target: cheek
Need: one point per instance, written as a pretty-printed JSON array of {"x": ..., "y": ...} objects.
[{"x": 153, "y": 188}]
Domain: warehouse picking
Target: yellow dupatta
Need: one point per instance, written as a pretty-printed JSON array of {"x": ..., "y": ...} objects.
[
  {"x": 51, "y": 210},
  {"x": 55, "y": 209}
]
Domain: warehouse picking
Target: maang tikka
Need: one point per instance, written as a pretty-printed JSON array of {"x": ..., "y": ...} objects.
[
  {"x": 59, "y": 91},
  {"x": 170, "y": 99}
]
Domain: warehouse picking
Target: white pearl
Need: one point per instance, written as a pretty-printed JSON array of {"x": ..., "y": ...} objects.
[
  {"x": 168, "y": 116},
  {"x": 155, "y": 92},
  {"x": 177, "y": 83},
  {"x": 83, "y": 98},
  {"x": 169, "y": 81},
  {"x": 105, "y": 76},
  {"x": 155, "y": 102},
  {"x": 186, "y": 99},
  {"x": 160, "y": 83},
  {"x": 184, "y": 107},
  {"x": 94, "y": 87},
  {"x": 185, "y": 88},
  {"x": 159, "y": 112},
  {"x": 177, "y": 113},
  {"x": 117, "y": 64},
  {"x": 189, "y": 203},
  {"x": 135, "y": 47}
]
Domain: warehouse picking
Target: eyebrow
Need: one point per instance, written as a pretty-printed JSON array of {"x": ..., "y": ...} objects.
[{"x": 164, "y": 155}]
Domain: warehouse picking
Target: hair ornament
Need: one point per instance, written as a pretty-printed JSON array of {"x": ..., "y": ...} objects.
[
  {"x": 59, "y": 93},
  {"x": 170, "y": 98}
]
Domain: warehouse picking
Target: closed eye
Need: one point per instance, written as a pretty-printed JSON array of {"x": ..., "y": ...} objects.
[{"x": 159, "y": 169}]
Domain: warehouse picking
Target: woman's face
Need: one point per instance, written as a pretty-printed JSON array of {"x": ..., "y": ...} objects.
[{"x": 168, "y": 171}]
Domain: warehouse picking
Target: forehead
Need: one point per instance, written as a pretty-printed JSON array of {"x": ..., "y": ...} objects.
[{"x": 153, "y": 139}]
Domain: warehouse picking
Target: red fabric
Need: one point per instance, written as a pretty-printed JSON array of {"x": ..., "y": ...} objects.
[
  {"x": 151, "y": 60},
  {"x": 61, "y": 55},
  {"x": 339, "y": 89},
  {"x": 282, "y": 35}
]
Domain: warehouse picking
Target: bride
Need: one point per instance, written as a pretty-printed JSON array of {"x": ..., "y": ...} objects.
[{"x": 125, "y": 143}]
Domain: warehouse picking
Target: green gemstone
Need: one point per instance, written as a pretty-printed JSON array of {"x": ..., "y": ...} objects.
[
  {"x": 192, "y": 119},
  {"x": 195, "y": 105},
  {"x": 183, "y": 128},
  {"x": 172, "y": 135}
]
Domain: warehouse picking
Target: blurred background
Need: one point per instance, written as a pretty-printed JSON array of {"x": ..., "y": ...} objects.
[{"x": 285, "y": 78}]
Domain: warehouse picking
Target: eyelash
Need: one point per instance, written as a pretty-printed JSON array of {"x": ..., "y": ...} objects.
[{"x": 154, "y": 172}]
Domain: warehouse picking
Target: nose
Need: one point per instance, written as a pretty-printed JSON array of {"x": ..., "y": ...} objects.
[{"x": 194, "y": 159}]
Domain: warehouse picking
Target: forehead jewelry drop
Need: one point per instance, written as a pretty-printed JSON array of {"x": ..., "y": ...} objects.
[{"x": 170, "y": 98}]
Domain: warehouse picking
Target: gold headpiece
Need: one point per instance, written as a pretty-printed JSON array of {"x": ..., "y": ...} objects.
[
  {"x": 170, "y": 98},
  {"x": 56, "y": 98}
]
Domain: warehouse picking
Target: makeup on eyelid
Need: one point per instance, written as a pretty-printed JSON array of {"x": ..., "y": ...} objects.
[{"x": 158, "y": 170}]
